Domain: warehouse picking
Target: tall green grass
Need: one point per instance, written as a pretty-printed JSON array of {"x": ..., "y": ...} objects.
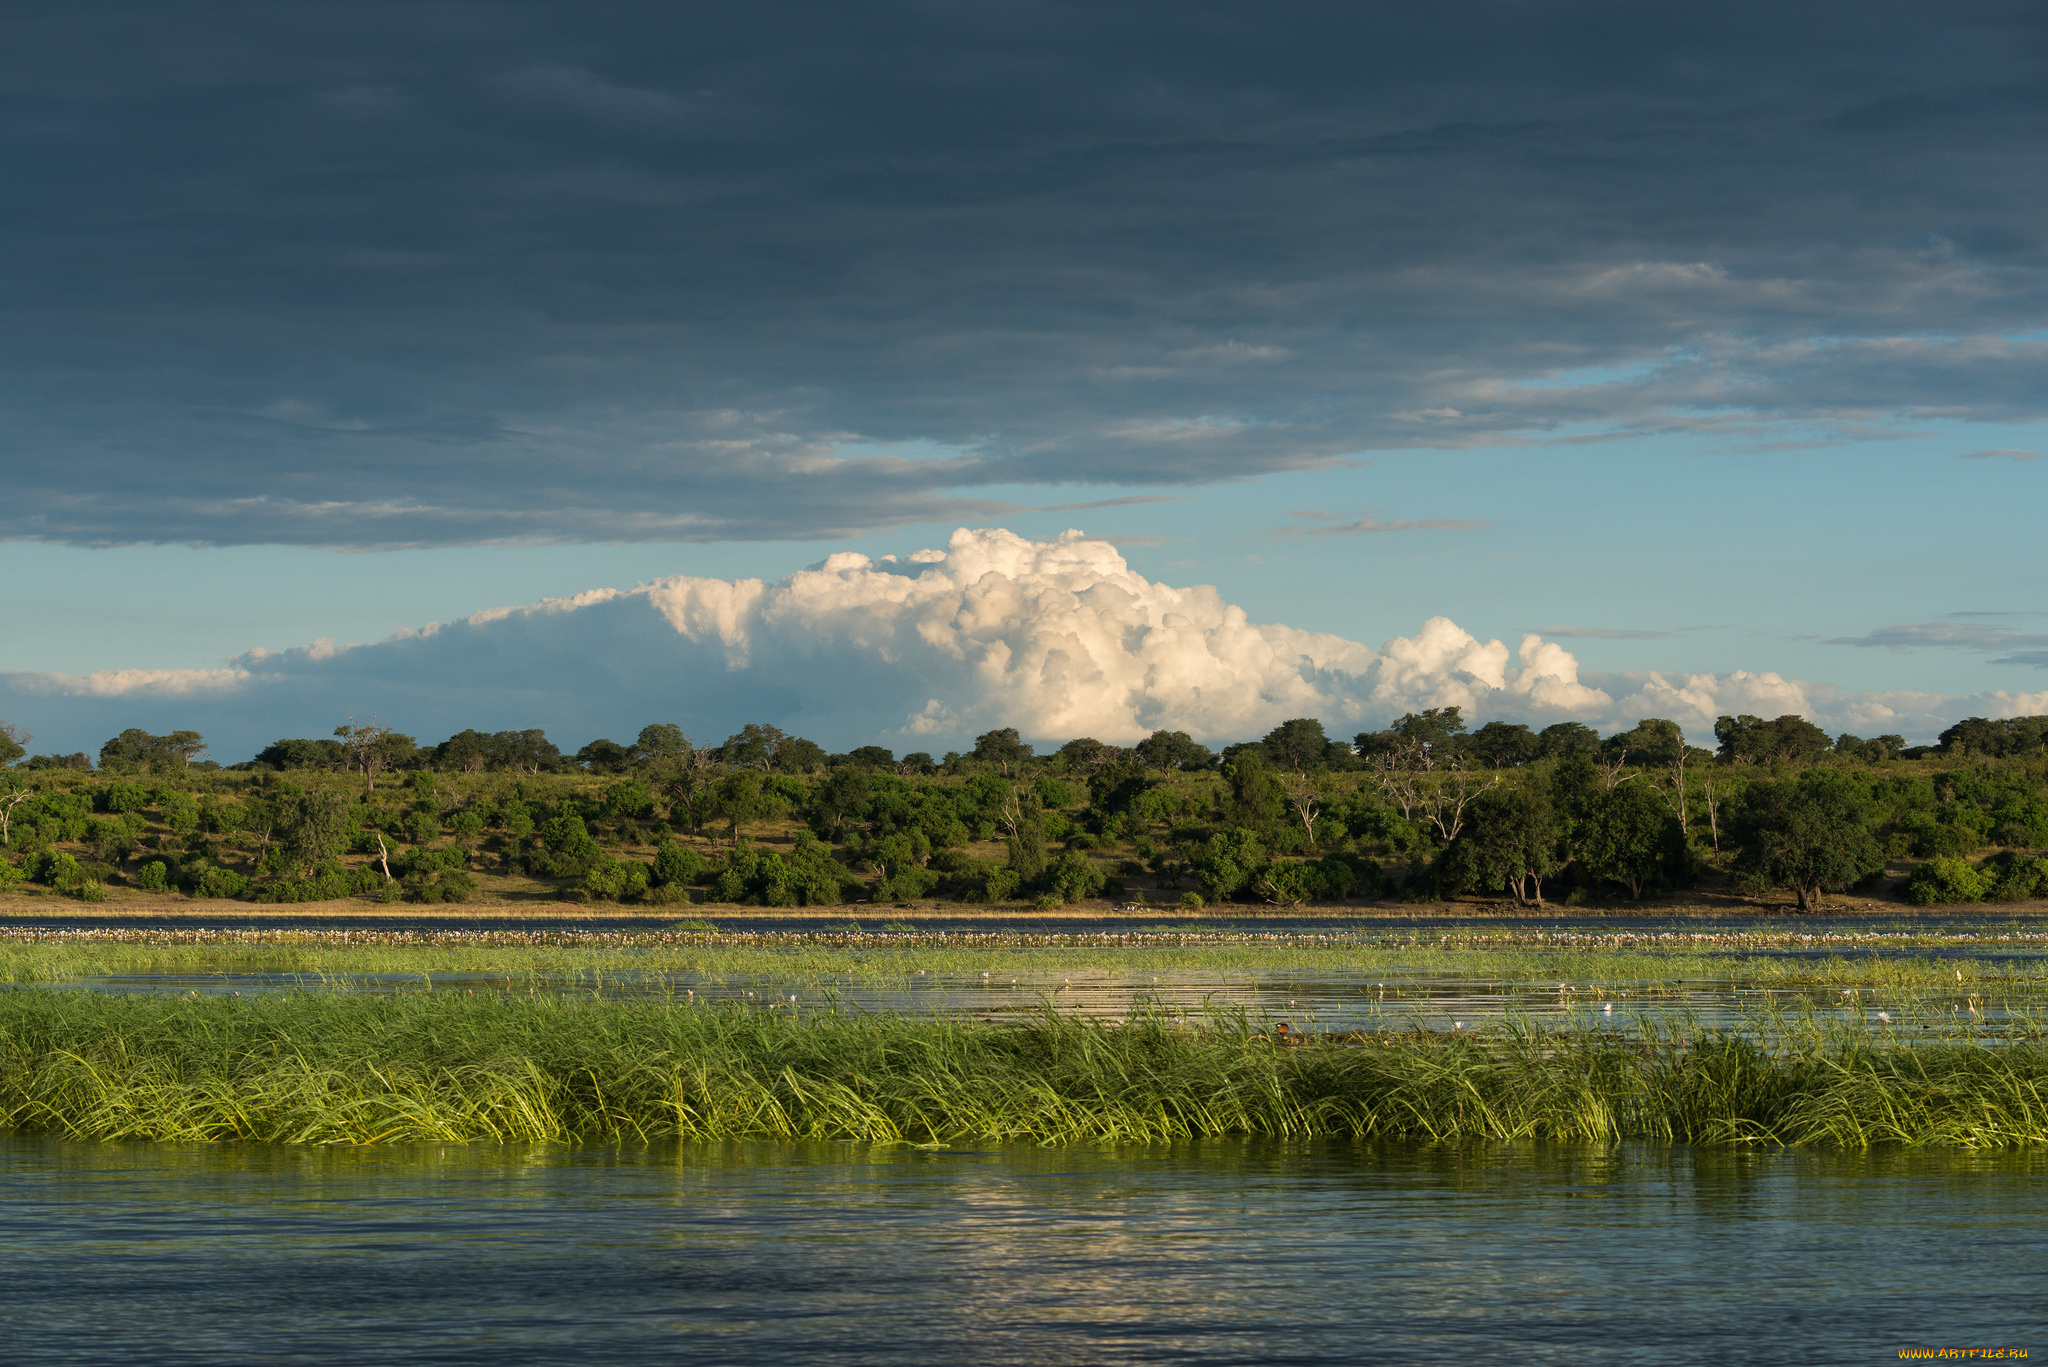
[{"x": 335, "y": 1069}]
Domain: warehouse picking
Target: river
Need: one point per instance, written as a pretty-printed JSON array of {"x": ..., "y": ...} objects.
[{"x": 1216, "y": 1252}]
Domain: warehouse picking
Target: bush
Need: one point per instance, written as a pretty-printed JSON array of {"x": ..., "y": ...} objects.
[
  {"x": 92, "y": 890},
  {"x": 906, "y": 883},
  {"x": 1192, "y": 901},
  {"x": 1074, "y": 877},
  {"x": 2016, "y": 877},
  {"x": 448, "y": 885},
  {"x": 325, "y": 884},
  {"x": 9, "y": 875},
  {"x": 676, "y": 863},
  {"x": 122, "y": 797},
  {"x": 219, "y": 882},
  {"x": 425, "y": 863},
  {"x": 1947, "y": 879},
  {"x": 154, "y": 876},
  {"x": 565, "y": 849},
  {"x": 808, "y": 876},
  {"x": 668, "y": 895},
  {"x": 55, "y": 869},
  {"x": 615, "y": 880}
]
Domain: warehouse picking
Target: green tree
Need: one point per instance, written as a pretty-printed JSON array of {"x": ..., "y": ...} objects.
[
  {"x": 1298, "y": 744},
  {"x": 1001, "y": 748},
  {"x": 1256, "y": 799},
  {"x": 1876, "y": 750},
  {"x": 605, "y": 757},
  {"x": 1811, "y": 834},
  {"x": 1629, "y": 836},
  {"x": 800, "y": 756},
  {"x": 1023, "y": 819},
  {"x": 661, "y": 742},
  {"x": 1565, "y": 739},
  {"x": 741, "y": 798},
  {"x": 842, "y": 795},
  {"x": 1167, "y": 751},
  {"x": 1752, "y": 740},
  {"x": 312, "y": 826},
  {"x": 1503, "y": 745},
  {"x": 13, "y": 743},
  {"x": 755, "y": 746},
  {"x": 1651, "y": 743},
  {"x": 306, "y": 754},
  {"x": 1511, "y": 838},
  {"x": 136, "y": 749}
]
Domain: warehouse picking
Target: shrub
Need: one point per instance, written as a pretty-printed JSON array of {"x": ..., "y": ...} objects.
[
  {"x": 55, "y": 869},
  {"x": 448, "y": 885},
  {"x": 905, "y": 883},
  {"x": 92, "y": 890},
  {"x": 1074, "y": 877},
  {"x": 1192, "y": 901},
  {"x": 1947, "y": 879},
  {"x": 668, "y": 895},
  {"x": 154, "y": 876},
  {"x": 122, "y": 797},
  {"x": 676, "y": 863},
  {"x": 565, "y": 849},
  {"x": 219, "y": 882},
  {"x": 1288, "y": 882},
  {"x": 615, "y": 880},
  {"x": 9, "y": 875},
  {"x": 808, "y": 876},
  {"x": 2016, "y": 877}
]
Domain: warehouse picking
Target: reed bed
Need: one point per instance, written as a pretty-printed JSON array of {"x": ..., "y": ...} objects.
[
  {"x": 308, "y": 1068},
  {"x": 1641, "y": 961}
]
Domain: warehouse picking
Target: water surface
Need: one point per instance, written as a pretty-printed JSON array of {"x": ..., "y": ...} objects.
[{"x": 1216, "y": 1252}]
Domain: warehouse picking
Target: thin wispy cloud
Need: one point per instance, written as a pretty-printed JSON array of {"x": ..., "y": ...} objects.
[
  {"x": 2009, "y": 453},
  {"x": 1601, "y": 633},
  {"x": 1958, "y": 633},
  {"x": 1325, "y": 525}
]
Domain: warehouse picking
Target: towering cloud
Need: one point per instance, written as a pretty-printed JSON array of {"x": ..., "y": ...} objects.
[{"x": 1057, "y": 638}]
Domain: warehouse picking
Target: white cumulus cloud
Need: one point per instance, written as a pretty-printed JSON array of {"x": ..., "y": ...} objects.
[{"x": 1057, "y": 638}]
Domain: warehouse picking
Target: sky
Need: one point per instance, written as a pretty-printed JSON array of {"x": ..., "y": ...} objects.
[{"x": 1704, "y": 344}]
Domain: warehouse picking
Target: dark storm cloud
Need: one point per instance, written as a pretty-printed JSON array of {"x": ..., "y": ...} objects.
[{"x": 402, "y": 274}]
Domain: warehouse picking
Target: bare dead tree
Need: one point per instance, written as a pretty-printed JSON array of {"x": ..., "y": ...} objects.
[
  {"x": 1446, "y": 800},
  {"x": 9, "y": 800},
  {"x": 1305, "y": 802},
  {"x": 1675, "y": 796},
  {"x": 1611, "y": 770}
]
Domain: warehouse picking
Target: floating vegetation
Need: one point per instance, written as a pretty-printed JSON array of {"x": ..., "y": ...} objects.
[{"x": 314, "y": 1068}]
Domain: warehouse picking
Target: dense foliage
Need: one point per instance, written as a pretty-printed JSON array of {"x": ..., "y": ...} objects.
[{"x": 1422, "y": 810}]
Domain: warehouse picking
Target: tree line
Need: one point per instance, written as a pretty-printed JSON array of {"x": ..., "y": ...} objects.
[{"x": 1424, "y": 808}]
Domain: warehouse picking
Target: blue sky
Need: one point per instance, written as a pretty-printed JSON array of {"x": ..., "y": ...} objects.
[{"x": 1679, "y": 336}]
